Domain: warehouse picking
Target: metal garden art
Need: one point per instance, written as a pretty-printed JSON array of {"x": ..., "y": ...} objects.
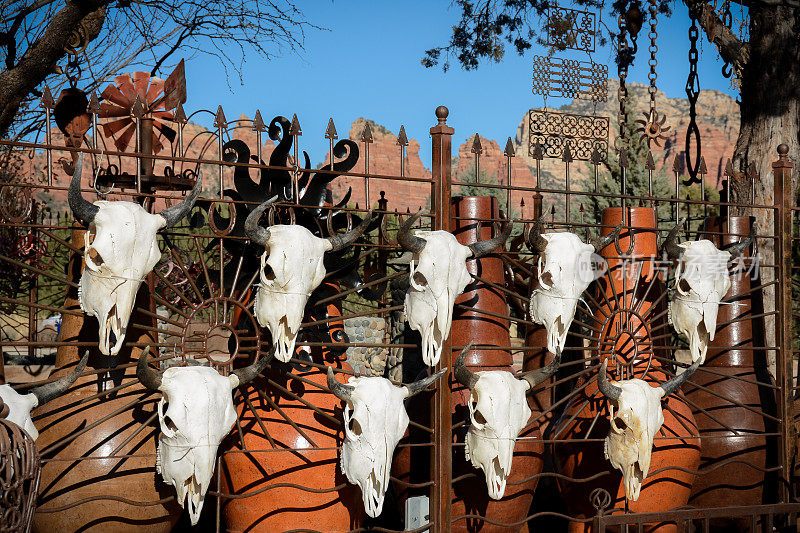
[{"x": 219, "y": 337}]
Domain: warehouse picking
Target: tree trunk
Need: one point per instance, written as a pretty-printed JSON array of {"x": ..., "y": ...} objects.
[{"x": 770, "y": 116}]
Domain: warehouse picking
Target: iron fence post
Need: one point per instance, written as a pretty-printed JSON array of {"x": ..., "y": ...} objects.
[
  {"x": 441, "y": 140},
  {"x": 782, "y": 169}
]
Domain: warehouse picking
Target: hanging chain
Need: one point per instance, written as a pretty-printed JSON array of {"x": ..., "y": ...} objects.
[
  {"x": 692, "y": 93},
  {"x": 652, "y": 127},
  {"x": 623, "y": 59}
]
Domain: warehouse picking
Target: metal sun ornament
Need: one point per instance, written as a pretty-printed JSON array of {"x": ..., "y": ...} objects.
[{"x": 652, "y": 127}]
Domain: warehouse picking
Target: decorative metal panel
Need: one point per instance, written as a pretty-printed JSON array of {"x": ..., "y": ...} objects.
[
  {"x": 567, "y": 78},
  {"x": 555, "y": 131},
  {"x": 571, "y": 29}
]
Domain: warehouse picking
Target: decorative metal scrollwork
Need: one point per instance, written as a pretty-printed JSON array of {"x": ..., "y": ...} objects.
[
  {"x": 20, "y": 469},
  {"x": 556, "y": 131},
  {"x": 571, "y": 29},
  {"x": 567, "y": 78},
  {"x": 15, "y": 204}
]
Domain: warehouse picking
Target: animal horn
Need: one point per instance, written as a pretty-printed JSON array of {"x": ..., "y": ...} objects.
[
  {"x": 45, "y": 393},
  {"x": 147, "y": 376},
  {"x": 82, "y": 209},
  {"x": 675, "y": 383},
  {"x": 670, "y": 245},
  {"x": 535, "y": 377},
  {"x": 479, "y": 249},
  {"x": 601, "y": 242},
  {"x": 254, "y": 232},
  {"x": 248, "y": 373},
  {"x": 739, "y": 248},
  {"x": 409, "y": 242},
  {"x": 174, "y": 214},
  {"x": 340, "y": 390},
  {"x": 464, "y": 375},
  {"x": 422, "y": 384},
  {"x": 612, "y": 392},
  {"x": 339, "y": 242},
  {"x": 536, "y": 243}
]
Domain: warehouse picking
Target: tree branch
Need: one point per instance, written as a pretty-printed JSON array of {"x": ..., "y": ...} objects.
[
  {"x": 40, "y": 59},
  {"x": 731, "y": 48}
]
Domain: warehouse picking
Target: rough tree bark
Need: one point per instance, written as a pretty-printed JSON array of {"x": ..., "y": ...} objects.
[
  {"x": 770, "y": 115},
  {"x": 41, "y": 58}
]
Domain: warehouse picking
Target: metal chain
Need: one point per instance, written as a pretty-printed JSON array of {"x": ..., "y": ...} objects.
[
  {"x": 652, "y": 62},
  {"x": 622, "y": 71},
  {"x": 692, "y": 93}
]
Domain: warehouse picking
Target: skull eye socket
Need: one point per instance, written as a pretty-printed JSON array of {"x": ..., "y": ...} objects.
[
  {"x": 170, "y": 425},
  {"x": 95, "y": 256},
  {"x": 620, "y": 423},
  {"x": 479, "y": 418},
  {"x": 419, "y": 279},
  {"x": 354, "y": 427},
  {"x": 547, "y": 279},
  {"x": 684, "y": 286},
  {"x": 268, "y": 272}
]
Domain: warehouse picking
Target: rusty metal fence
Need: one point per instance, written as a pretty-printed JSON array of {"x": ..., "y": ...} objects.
[{"x": 725, "y": 455}]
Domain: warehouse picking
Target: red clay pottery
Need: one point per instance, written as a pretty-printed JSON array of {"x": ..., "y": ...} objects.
[{"x": 629, "y": 304}]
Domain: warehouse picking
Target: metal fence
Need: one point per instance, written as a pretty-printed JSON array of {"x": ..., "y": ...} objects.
[{"x": 728, "y": 438}]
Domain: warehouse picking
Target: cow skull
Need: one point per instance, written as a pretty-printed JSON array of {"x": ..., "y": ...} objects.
[
  {"x": 195, "y": 413},
  {"x": 438, "y": 274},
  {"x": 120, "y": 252},
  {"x": 567, "y": 272},
  {"x": 20, "y": 405},
  {"x": 291, "y": 268},
  {"x": 374, "y": 422},
  {"x": 701, "y": 281},
  {"x": 498, "y": 412},
  {"x": 629, "y": 444}
]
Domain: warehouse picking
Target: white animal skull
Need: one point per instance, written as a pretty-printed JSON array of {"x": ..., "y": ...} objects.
[
  {"x": 120, "y": 252},
  {"x": 568, "y": 270},
  {"x": 437, "y": 276},
  {"x": 701, "y": 281},
  {"x": 629, "y": 444},
  {"x": 498, "y": 412},
  {"x": 20, "y": 405},
  {"x": 195, "y": 413},
  {"x": 375, "y": 420},
  {"x": 291, "y": 268}
]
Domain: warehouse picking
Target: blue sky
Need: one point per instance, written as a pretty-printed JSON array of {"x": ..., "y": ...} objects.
[{"x": 367, "y": 65}]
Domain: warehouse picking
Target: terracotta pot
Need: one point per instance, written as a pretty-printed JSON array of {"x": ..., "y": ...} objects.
[
  {"x": 66, "y": 479},
  {"x": 286, "y": 457},
  {"x": 469, "y": 496},
  {"x": 629, "y": 304},
  {"x": 731, "y": 356}
]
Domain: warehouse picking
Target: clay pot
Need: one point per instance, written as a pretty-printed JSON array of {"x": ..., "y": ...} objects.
[
  {"x": 469, "y": 495},
  {"x": 731, "y": 356},
  {"x": 280, "y": 434},
  {"x": 71, "y": 472},
  {"x": 630, "y": 304}
]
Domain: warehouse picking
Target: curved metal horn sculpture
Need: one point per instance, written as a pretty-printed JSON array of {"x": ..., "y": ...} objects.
[
  {"x": 610, "y": 391},
  {"x": 174, "y": 214},
  {"x": 409, "y": 242},
  {"x": 739, "y": 248},
  {"x": 422, "y": 384},
  {"x": 536, "y": 243},
  {"x": 340, "y": 390},
  {"x": 464, "y": 375},
  {"x": 670, "y": 245},
  {"x": 248, "y": 373},
  {"x": 601, "y": 242},
  {"x": 479, "y": 249},
  {"x": 675, "y": 383},
  {"x": 45, "y": 393},
  {"x": 339, "y": 242},
  {"x": 83, "y": 210},
  {"x": 535, "y": 377},
  {"x": 252, "y": 229},
  {"x": 147, "y": 376}
]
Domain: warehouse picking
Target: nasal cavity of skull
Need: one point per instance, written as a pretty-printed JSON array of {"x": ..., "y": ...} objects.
[
  {"x": 419, "y": 279},
  {"x": 355, "y": 427}
]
